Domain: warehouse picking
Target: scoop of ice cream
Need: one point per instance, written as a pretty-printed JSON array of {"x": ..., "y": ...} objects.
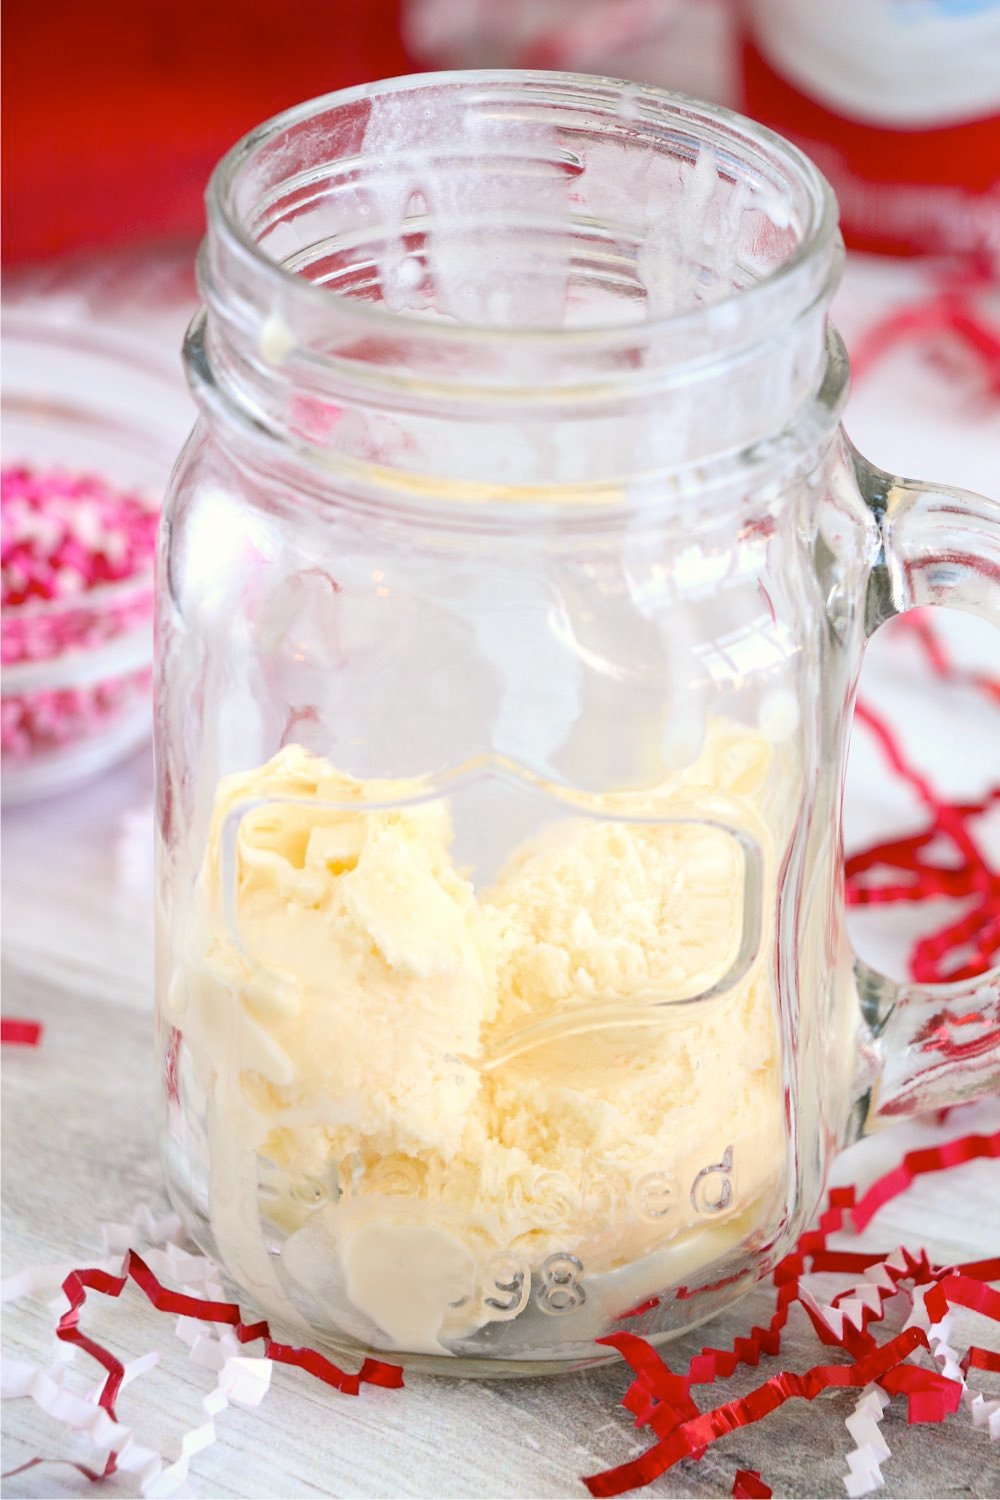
[
  {"x": 350, "y": 977},
  {"x": 344, "y": 935},
  {"x": 598, "y": 912}
]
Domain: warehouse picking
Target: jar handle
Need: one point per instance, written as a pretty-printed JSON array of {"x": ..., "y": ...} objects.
[{"x": 927, "y": 1046}]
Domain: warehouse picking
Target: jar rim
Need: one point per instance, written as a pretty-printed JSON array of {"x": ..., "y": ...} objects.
[{"x": 818, "y": 231}]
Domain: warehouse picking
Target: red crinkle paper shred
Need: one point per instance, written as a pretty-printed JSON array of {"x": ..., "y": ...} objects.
[
  {"x": 748, "y": 1483},
  {"x": 78, "y": 1283},
  {"x": 19, "y": 1033},
  {"x": 953, "y": 311},
  {"x": 906, "y": 869},
  {"x": 660, "y": 1398}
]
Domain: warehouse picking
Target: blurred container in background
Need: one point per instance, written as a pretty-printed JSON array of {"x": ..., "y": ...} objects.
[
  {"x": 85, "y": 409},
  {"x": 898, "y": 101},
  {"x": 684, "y": 44}
]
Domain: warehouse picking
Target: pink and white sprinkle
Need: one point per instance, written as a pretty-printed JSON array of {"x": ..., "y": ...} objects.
[{"x": 75, "y": 560}]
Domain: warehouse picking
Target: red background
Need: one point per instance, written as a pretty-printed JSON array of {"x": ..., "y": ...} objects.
[{"x": 115, "y": 111}]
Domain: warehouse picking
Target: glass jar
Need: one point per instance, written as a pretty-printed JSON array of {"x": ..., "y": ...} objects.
[{"x": 513, "y": 592}]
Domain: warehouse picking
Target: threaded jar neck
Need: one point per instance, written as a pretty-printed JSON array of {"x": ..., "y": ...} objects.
[{"x": 505, "y": 281}]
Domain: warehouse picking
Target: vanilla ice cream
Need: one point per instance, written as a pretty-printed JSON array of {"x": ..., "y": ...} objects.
[{"x": 455, "y": 1107}]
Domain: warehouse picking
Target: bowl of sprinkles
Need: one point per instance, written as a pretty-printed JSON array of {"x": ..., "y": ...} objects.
[{"x": 91, "y": 421}]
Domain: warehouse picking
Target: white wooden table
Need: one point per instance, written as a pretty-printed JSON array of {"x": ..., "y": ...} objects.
[{"x": 78, "y": 1123}]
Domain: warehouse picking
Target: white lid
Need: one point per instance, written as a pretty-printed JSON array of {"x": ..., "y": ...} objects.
[{"x": 897, "y": 63}]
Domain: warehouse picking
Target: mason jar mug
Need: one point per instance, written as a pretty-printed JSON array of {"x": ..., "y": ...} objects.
[{"x": 513, "y": 590}]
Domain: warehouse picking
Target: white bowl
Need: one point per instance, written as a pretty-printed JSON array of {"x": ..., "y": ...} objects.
[{"x": 84, "y": 399}]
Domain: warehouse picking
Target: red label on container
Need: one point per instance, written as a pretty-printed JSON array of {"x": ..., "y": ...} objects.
[{"x": 933, "y": 189}]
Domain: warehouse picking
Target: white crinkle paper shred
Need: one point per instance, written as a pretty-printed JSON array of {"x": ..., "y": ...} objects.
[
  {"x": 864, "y": 1462},
  {"x": 241, "y": 1380},
  {"x": 984, "y": 1413}
]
